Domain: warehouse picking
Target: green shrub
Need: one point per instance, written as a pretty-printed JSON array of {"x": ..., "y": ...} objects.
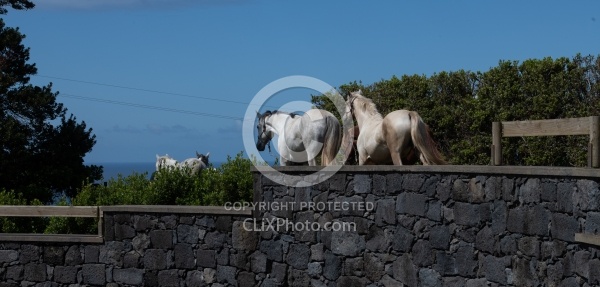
[
  {"x": 20, "y": 224},
  {"x": 232, "y": 181}
]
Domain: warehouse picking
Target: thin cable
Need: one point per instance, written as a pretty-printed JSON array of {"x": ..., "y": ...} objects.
[
  {"x": 142, "y": 90},
  {"x": 128, "y": 104}
]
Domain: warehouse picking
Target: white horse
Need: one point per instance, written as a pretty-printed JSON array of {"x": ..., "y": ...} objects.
[
  {"x": 301, "y": 138},
  {"x": 165, "y": 161},
  {"x": 397, "y": 138},
  {"x": 191, "y": 165}
]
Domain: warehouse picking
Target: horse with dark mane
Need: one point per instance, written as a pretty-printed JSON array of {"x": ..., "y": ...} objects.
[{"x": 301, "y": 138}]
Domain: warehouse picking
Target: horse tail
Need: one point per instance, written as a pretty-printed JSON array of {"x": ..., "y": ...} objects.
[
  {"x": 421, "y": 136},
  {"x": 332, "y": 142}
]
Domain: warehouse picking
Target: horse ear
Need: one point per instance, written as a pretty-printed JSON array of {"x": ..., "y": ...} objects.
[
  {"x": 359, "y": 92},
  {"x": 197, "y": 154},
  {"x": 157, "y": 156},
  {"x": 207, "y": 154},
  {"x": 257, "y": 114}
]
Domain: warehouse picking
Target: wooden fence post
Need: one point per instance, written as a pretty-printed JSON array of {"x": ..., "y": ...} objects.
[
  {"x": 595, "y": 141},
  {"x": 496, "y": 143}
]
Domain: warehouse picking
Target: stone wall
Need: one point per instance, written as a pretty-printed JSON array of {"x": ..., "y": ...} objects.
[
  {"x": 435, "y": 227},
  {"x": 411, "y": 226}
]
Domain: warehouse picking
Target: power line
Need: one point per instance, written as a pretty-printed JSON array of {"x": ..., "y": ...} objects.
[
  {"x": 142, "y": 106},
  {"x": 143, "y": 90}
]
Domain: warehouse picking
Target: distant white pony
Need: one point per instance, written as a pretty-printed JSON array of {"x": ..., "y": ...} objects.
[
  {"x": 192, "y": 165},
  {"x": 165, "y": 161}
]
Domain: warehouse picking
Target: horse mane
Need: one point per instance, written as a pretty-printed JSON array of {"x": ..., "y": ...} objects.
[
  {"x": 368, "y": 105},
  {"x": 268, "y": 113}
]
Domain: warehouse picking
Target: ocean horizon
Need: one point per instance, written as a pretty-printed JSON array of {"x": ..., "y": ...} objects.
[{"x": 113, "y": 169}]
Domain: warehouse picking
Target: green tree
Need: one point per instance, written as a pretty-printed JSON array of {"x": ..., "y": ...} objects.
[{"x": 41, "y": 149}]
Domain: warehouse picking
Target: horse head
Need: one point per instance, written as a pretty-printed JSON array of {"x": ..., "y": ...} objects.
[
  {"x": 203, "y": 158},
  {"x": 264, "y": 135}
]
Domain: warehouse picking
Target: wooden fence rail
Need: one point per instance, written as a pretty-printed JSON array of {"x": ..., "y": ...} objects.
[
  {"x": 557, "y": 127},
  {"x": 52, "y": 211},
  {"x": 98, "y": 213}
]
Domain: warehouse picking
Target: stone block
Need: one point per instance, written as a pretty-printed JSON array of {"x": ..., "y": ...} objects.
[
  {"x": 353, "y": 266},
  {"x": 129, "y": 276},
  {"x": 347, "y": 243},
  {"x": 530, "y": 191},
  {"x": 467, "y": 214},
  {"x": 393, "y": 183},
  {"x": 13, "y": 273},
  {"x": 184, "y": 256},
  {"x": 73, "y": 256},
  {"x": 466, "y": 261},
  {"x": 298, "y": 256},
  {"x": 168, "y": 278},
  {"x": 246, "y": 279},
  {"x": 227, "y": 274},
  {"x": 123, "y": 231},
  {"x": 54, "y": 255},
  {"x": 529, "y": 221},
  {"x": 65, "y": 274},
  {"x": 411, "y": 203},
  {"x": 385, "y": 212},
  {"x": 523, "y": 272},
  {"x": 404, "y": 270},
  {"x": 422, "y": 254},
  {"x": 564, "y": 197},
  {"x": 155, "y": 259},
  {"x": 592, "y": 223},
  {"x": 29, "y": 253},
  {"x": 492, "y": 268},
  {"x": 362, "y": 183},
  {"x": 548, "y": 190},
  {"x": 587, "y": 196},
  {"x": 131, "y": 259},
  {"x": 195, "y": 278},
  {"x": 374, "y": 267},
  {"x": 243, "y": 239},
  {"x": 508, "y": 189},
  {"x": 594, "y": 272},
  {"x": 434, "y": 211},
  {"x": 332, "y": 268},
  {"x": 215, "y": 240},
  {"x": 445, "y": 263},
  {"x": 273, "y": 249},
  {"x": 402, "y": 240},
  {"x": 298, "y": 278},
  {"x": 499, "y": 217},
  {"x": 91, "y": 254},
  {"x": 206, "y": 258},
  {"x": 35, "y": 272},
  {"x": 93, "y": 274},
  {"x": 564, "y": 227},
  {"x": 413, "y": 182},
  {"x": 429, "y": 278},
  {"x": 529, "y": 245},
  {"x": 379, "y": 184},
  {"x": 162, "y": 239},
  {"x": 486, "y": 240},
  {"x": 279, "y": 272},
  {"x": 187, "y": 234},
  {"x": 439, "y": 237},
  {"x": 7, "y": 256}
]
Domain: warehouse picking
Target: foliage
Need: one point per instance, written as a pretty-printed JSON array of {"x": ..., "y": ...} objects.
[
  {"x": 460, "y": 107},
  {"x": 19, "y": 224},
  {"x": 41, "y": 149},
  {"x": 15, "y": 4}
]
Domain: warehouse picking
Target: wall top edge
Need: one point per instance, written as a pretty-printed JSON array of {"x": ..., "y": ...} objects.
[
  {"x": 452, "y": 169},
  {"x": 181, "y": 209}
]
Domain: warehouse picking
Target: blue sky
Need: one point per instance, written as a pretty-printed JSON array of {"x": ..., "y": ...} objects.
[{"x": 179, "y": 63}]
